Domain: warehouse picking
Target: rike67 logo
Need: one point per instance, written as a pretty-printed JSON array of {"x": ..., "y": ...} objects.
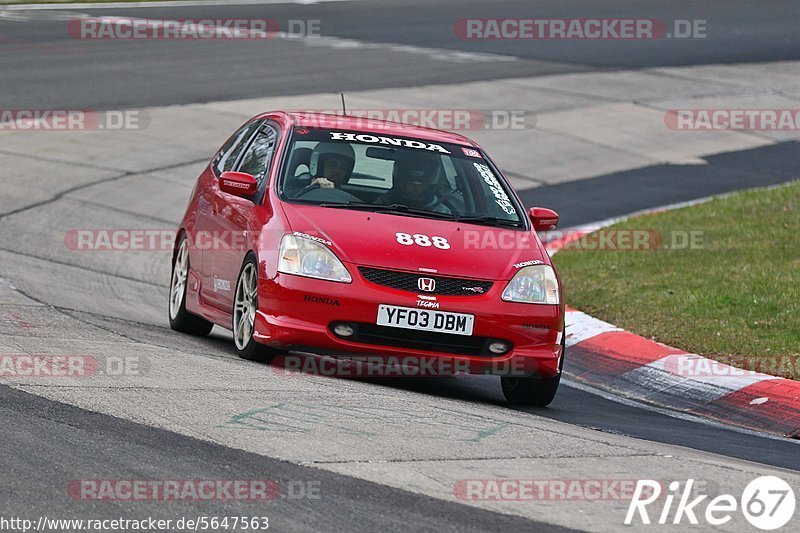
[{"x": 767, "y": 503}]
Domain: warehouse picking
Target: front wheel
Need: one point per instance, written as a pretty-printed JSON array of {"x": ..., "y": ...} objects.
[
  {"x": 535, "y": 391},
  {"x": 179, "y": 318},
  {"x": 245, "y": 305}
]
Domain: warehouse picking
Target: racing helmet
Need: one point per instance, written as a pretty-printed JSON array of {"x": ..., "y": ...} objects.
[
  {"x": 324, "y": 150},
  {"x": 416, "y": 175}
]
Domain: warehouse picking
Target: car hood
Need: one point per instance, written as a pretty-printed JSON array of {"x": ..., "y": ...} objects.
[{"x": 370, "y": 239}]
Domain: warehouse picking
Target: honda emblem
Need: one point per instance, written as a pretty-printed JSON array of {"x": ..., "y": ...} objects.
[{"x": 426, "y": 284}]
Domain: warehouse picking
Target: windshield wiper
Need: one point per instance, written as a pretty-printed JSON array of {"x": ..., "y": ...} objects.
[
  {"x": 490, "y": 221},
  {"x": 393, "y": 208}
]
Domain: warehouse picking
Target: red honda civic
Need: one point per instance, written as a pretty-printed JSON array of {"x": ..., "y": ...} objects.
[{"x": 342, "y": 236}]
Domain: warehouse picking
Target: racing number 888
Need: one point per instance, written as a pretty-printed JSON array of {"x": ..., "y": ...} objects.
[{"x": 422, "y": 240}]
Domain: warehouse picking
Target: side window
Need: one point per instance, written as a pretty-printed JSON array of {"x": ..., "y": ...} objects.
[
  {"x": 257, "y": 158},
  {"x": 229, "y": 153}
]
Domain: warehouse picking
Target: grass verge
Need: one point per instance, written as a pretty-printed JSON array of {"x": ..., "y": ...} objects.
[{"x": 734, "y": 296}]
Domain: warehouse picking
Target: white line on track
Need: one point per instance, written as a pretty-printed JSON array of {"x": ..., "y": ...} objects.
[{"x": 441, "y": 54}]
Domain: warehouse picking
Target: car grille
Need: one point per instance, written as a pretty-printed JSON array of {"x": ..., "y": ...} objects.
[
  {"x": 422, "y": 340},
  {"x": 406, "y": 281}
]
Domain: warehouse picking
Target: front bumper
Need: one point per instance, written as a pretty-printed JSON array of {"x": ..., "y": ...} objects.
[{"x": 297, "y": 313}]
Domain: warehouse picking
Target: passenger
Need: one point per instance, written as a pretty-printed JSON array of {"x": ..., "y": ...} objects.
[{"x": 414, "y": 184}]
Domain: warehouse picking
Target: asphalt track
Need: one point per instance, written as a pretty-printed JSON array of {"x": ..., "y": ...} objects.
[
  {"x": 46, "y": 442},
  {"x": 34, "y": 469},
  {"x": 41, "y": 62}
]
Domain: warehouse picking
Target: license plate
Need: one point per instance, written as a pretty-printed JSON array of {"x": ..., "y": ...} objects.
[{"x": 425, "y": 320}]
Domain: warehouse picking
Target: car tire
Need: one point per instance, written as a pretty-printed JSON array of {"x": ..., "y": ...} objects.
[
  {"x": 536, "y": 391},
  {"x": 179, "y": 318},
  {"x": 245, "y": 305}
]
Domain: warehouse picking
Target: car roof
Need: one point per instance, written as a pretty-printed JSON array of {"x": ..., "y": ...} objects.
[{"x": 372, "y": 126}]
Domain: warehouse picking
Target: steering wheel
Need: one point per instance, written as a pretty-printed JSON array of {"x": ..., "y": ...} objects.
[
  {"x": 325, "y": 194},
  {"x": 308, "y": 188}
]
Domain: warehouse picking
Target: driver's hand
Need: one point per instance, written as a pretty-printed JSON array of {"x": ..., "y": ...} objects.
[{"x": 323, "y": 183}]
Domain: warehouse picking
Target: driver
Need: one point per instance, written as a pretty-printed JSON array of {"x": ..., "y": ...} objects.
[
  {"x": 415, "y": 178},
  {"x": 330, "y": 166}
]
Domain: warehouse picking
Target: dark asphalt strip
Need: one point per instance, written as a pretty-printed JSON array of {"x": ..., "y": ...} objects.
[
  {"x": 46, "y": 444},
  {"x": 614, "y": 417},
  {"x": 622, "y": 193},
  {"x": 730, "y": 31}
]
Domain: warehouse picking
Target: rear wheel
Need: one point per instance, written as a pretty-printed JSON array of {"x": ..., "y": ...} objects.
[
  {"x": 245, "y": 305},
  {"x": 535, "y": 390},
  {"x": 179, "y": 318}
]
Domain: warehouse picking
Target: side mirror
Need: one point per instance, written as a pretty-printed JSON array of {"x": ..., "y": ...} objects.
[
  {"x": 543, "y": 219},
  {"x": 238, "y": 183}
]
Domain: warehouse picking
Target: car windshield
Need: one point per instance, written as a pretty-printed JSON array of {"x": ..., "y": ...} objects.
[{"x": 414, "y": 177}]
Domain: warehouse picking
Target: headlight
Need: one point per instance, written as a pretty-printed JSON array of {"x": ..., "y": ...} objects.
[
  {"x": 535, "y": 284},
  {"x": 304, "y": 257}
]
